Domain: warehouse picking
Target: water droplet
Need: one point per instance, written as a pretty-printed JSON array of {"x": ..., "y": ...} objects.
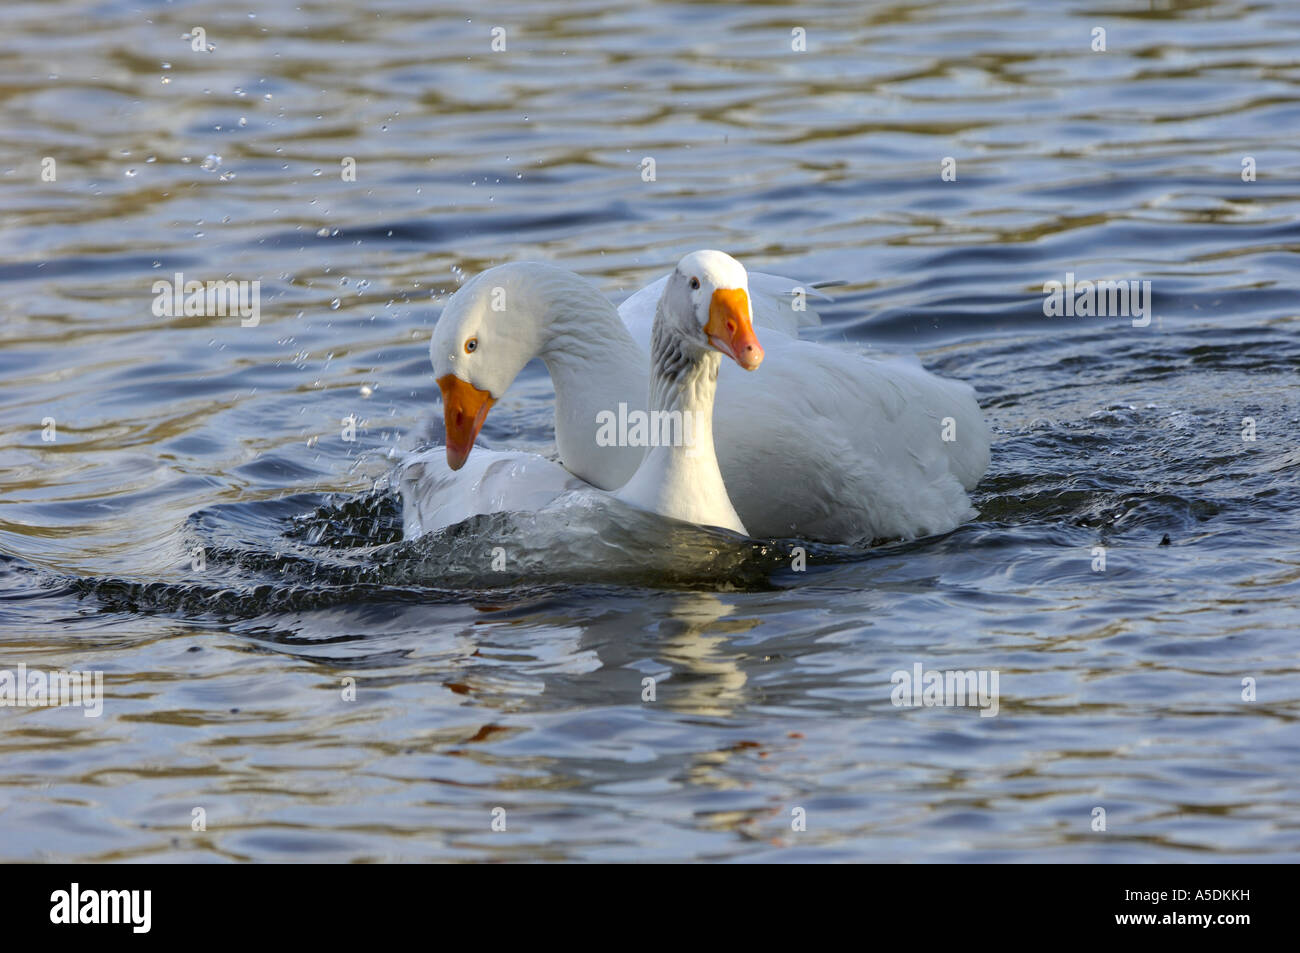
[
  {"x": 315, "y": 171},
  {"x": 366, "y": 390},
  {"x": 322, "y": 233},
  {"x": 130, "y": 173},
  {"x": 243, "y": 121},
  {"x": 210, "y": 162},
  {"x": 334, "y": 305}
]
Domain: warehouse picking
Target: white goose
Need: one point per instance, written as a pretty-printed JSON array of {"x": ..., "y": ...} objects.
[
  {"x": 702, "y": 313},
  {"x": 826, "y": 444}
]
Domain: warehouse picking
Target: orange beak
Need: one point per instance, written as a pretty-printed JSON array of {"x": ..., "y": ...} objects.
[
  {"x": 464, "y": 408},
  {"x": 730, "y": 329}
]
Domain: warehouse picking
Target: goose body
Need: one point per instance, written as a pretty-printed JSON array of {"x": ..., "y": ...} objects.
[{"x": 825, "y": 444}]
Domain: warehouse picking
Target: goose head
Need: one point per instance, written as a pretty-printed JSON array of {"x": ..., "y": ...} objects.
[
  {"x": 490, "y": 328},
  {"x": 706, "y": 304}
]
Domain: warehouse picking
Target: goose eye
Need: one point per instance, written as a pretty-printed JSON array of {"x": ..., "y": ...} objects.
[
  {"x": 471, "y": 345},
  {"x": 695, "y": 283}
]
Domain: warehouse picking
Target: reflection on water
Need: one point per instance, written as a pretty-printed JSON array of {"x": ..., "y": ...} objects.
[
  {"x": 229, "y": 687},
  {"x": 694, "y": 641}
]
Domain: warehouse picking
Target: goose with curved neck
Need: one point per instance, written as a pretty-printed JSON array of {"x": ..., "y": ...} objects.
[
  {"x": 524, "y": 310},
  {"x": 682, "y": 479}
]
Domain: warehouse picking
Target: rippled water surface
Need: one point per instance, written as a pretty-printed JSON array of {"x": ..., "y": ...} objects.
[{"x": 1120, "y": 689}]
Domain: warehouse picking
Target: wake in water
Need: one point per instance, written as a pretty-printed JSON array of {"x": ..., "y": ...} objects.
[
  {"x": 1066, "y": 471},
  {"x": 312, "y": 551}
]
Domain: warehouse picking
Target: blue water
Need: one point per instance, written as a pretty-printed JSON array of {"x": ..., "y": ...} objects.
[{"x": 1120, "y": 689}]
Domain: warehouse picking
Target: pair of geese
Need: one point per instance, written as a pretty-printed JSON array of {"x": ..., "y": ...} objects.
[{"x": 820, "y": 443}]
